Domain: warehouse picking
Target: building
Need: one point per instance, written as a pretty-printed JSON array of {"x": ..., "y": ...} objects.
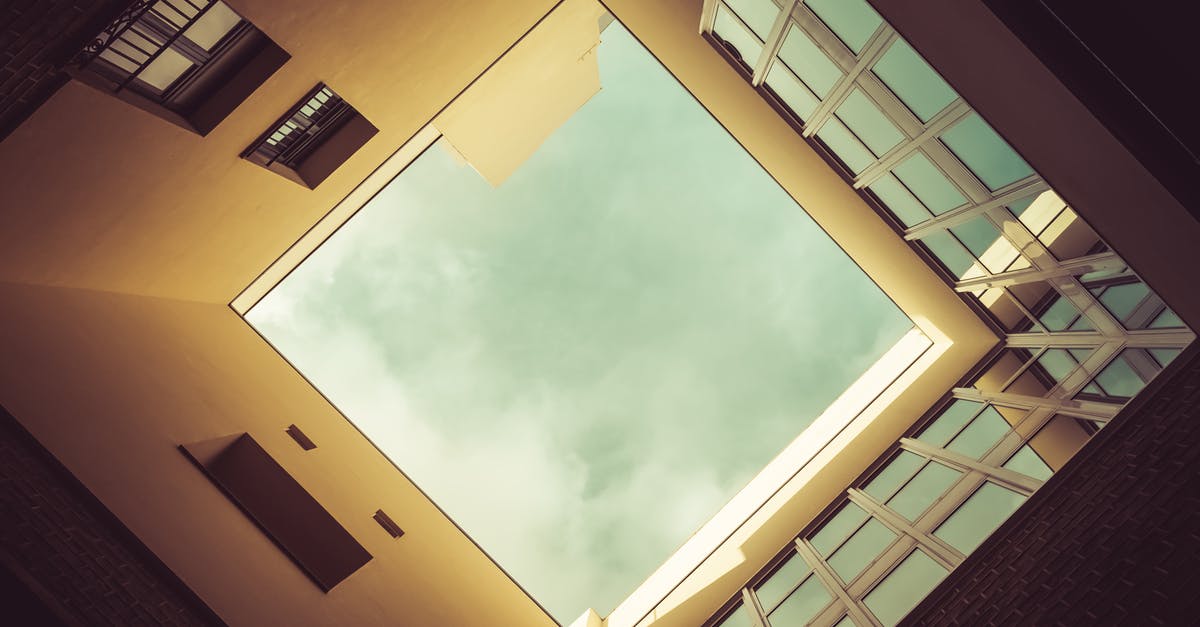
[{"x": 163, "y": 464}]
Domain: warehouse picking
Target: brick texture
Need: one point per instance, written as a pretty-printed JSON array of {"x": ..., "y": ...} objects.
[
  {"x": 68, "y": 551},
  {"x": 1112, "y": 539},
  {"x": 37, "y": 39}
]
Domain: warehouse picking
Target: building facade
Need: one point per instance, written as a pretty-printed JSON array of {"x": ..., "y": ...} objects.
[{"x": 1029, "y": 205}]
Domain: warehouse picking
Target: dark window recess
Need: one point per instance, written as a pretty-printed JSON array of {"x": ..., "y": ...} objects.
[
  {"x": 281, "y": 507},
  {"x": 191, "y": 62},
  {"x": 388, "y": 524},
  {"x": 303, "y": 440},
  {"x": 310, "y": 141}
]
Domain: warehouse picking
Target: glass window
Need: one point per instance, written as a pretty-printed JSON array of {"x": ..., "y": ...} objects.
[
  {"x": 831, "y": 534},
  {"x": 1027, "y": 462},
  {"x": 1117, "y": 382},
  {"x": 904, "y": 587},
  {"x": 1059, "y": 362},
  {"x": 951, "y": 420},
  {"x": 985, "y": 153},
  {"x": 926, "y": 487},
  {"x": 1062, "y": 315},
  {"x": 981, "y": 435},
  {"x": 802, "y": 605},
  {"x": 1165, "y": 356},
  {"x": 1122, "y": 300},
  {"x": 730, "y": 30},
  {"x": 861, "y": 549},
  {"x": 791, "y": 91},
  {"x": 893, "y": 475},
  {"x": 950, "y": 252},
  {"x": 1166, "y": 320},
  {"x": 809, "y": 62},
  {"x": 920, "y": 88},
  {"x": 929, "y": 184},
  {"x": 759, "y": 15},
  {"x": 902, "y": 204},
  {"x": 983, "y": 239},
  {"x": 978, "y": 517},
  {"x": 738, "y": 617},
  {"x": 868, "y": 123},
  {"x": 845, "y": 145},
  {"x": 775, "y": 587},
  {"x": 853, "y": 21},
  {"x": 1066, "y": 236}
]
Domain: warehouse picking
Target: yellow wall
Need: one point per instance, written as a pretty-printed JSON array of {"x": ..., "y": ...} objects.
[{"x": 113, "y": 383}]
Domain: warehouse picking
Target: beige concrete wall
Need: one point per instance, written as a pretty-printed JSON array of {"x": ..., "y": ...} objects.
[
  {"x": 102, "y": 195},
  {"x": 111, "y": 384}
]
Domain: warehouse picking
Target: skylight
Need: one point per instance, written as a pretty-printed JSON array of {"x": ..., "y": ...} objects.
[{"x": 583, "y": 364}]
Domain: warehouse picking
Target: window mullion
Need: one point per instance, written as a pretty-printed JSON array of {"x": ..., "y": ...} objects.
[
  {"x": 1090, "y": 410},
  {"x": 965, "y": 213},
  {"x": 1079, "y": 265},
  {"x": 774, "y": 41},
  {"x": 1009, "y": 478},
  {"x": 954, "y": 112},
  {"x": 858, "y": 613},
  {"x": 750, "y": 601},
  {"x": 842, "y": 88},
  {"x": 945, "y": 554}
]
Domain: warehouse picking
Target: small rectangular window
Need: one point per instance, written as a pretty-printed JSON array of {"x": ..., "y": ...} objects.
[
  {"x": 312, "y": 139},
  {"x": 191, "y": 62}
]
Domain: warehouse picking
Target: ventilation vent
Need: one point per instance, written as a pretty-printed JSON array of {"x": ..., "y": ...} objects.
[{"x": 388, "y": 524}]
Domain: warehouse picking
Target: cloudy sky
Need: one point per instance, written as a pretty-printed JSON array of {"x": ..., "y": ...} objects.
[{"x": 582, "y": 365}]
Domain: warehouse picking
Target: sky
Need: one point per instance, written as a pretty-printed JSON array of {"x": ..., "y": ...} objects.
[{"x": 583, "y": 365}]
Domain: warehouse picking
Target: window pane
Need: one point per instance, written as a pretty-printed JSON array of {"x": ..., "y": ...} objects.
[
  {"x": 1122, "y": 300},
  {"x": 772, "y": 590},
  {"x": 216, "y": 22},
  {"x": 868, "y": 123},
  {"x": 802, "y": 605},
  {"x": 845, "y": 622},
  {"x": 929, "y": 184},
  {"x": 985, "y": 153},
  {"x": 1058, "y": 363},
  {"x": 1165, "y": 356},
  {"x": 978, "y": 517},
  {"x": 1119, "y": 380},
  {"x": 1166, "y": 320},
  {"x": 845, "y": 145},
  {"x": 739, "y": 617},
  {"x": 759, "y": 15},
  {"x": 981, "y": 435},
  {"x": 862, "y": 547},
  {"x": 837, "y": 528},
  {"x": 1027, "y": 462},
  {"x": 808, "y": 62},
  {"x": 914, "y": 498},
  {"x": 983, "y": 239},
  {"x": 950, "y": 252},
  {"x": 939, "y": 432},
  {"x": 899, "y": 201},
  {"x": 744, "y": 43},
  {"x": 791, "y": 91},
  {"x": 853, "y": 21},
  {"x": 904, "y": 587},
  {"x": 913, "y": 81},
  {"x": 1061, "y": 315},
  {"x": 164, "y": 70},
  {"x": 893, "y": 475}
]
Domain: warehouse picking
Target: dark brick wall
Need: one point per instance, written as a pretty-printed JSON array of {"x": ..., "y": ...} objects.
[
  {"x": 1112, "y": 539},
  {"x": 65, "y": 559},
  {"x": 37, "y": 38}
]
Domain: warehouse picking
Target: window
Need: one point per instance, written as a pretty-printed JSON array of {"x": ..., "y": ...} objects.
[
  {"x": 904, "y": 587},
  {"x": 309, "y": 142},
  {"x": 913, "y": 81},
  {"x": 861, "y": 549},
  {"x": 985, "y": 153},
  {"x": 188, "y": 61},
  {"x": 853, "y": 21},
  {"x": 976, "y": 518}
]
